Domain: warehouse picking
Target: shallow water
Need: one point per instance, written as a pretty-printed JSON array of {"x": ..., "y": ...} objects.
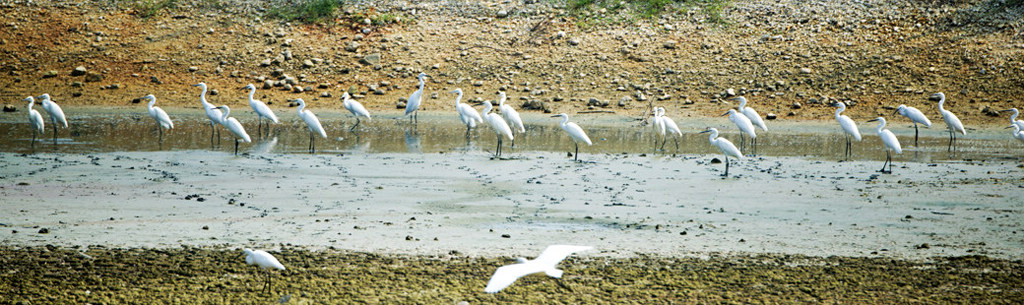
[{"x": 129, "y": 130}]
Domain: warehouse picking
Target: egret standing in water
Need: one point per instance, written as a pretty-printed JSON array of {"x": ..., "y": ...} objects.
[
  {"x": 467, "y": 114},
  {"x": 413, "y": 104},
  {"x": 234, "y": 127},
  {"x": 163, "y": 121},
  {"x": 914, "y": 115},
  {"x": 1017, "y": 132},
  {"x": 35, "y": 119},
  {"x": 726, "y": 146},
  {"x": 671, "y": 127},
  {"x": 750, "y": 113},
  {"x": 499, "y": 126},
  {"x": 1013, "y": 118},
  {"x": 511, "y": 116},
  {"x": 265, "y": 261},
  {"x": 214, "y": 114},
  {"x": 56, "y": 114},
  {"x": 745, "y": 126},
  {"x": 311, "y": 122},
  {"x": 261, "y": 109},
  {"x": 890, "y": 142},
  {"x": 657, "y": 125},
  {"x": 849, "y": 128},
  {"x": 355, "y": 107},
  {"x": 952, "y": 122},
  {"x": 545, "y": 262},
  {"x": 575, "y": 132}
]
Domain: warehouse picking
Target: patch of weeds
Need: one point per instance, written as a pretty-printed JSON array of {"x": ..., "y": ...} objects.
[
  {"x": 306, "y": 11},
  {"x": 149, "y": 8},
  {"x": 647, "y": 9}
]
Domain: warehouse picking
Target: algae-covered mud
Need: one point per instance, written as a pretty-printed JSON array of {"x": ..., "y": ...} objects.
[{"x": 99, "y": 275}]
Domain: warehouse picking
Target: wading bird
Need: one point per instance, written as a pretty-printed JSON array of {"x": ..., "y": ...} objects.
[
  {"x": 413, "y": 104},
  {"x": 163, "y": 121},
  {"x": 498, "y": 125},
  {"x": 724, "y": 145},
  {"x": 657, "y": 125},
  {"x": 467, "y": 114},
  {"x": 670, "y": 127},
  {"x": 889, "y": 141},
  {"x": 849, "y": 128},
  {"x": 261, "y": 109},
  {"x": 56, "y": 114},
  {"x": 575, "y": 132},
  {"x": 265, "y": 261},
  {"x": 311, "y": 122},
  {"x": 356, "y": 108},
  {"x": 914, "y": 115},
  {"x": 953, "y": 123},
  {"x": 234, "y": 127},
  {"x": 214, "y": 114},
  {"x": 1013, "y": 118},
  {"x": 546, "y": 262},
  {"x": 511, "y": 116},
  {"x": 35, "y": 119},
  {"x": 750, "y": 113},
  {"x": 1017, "y": 132},
  {"x": 745, "y": 127}
]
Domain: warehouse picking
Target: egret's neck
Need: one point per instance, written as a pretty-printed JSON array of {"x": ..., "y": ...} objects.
[
  {"x": 501, "y": 99},
  {"x": 251, "y": 93},
  {"x": 33, "y": 102},
  {"x": 881, "y": 124},
  {"x": 942, "y": 101},
  {"x": 743, "y": 103},
  {"x": 842, "y": 107},
  {"x": 202, "y": 97},
  {"x": 487, "y": 108},
  {"x": 302, "y": 105},
  {"x": 458, "y": 99},
  {"x": 565, "y": 119},
  {"x": 714, "y": 134},
  {"x": 1014, "y": 115},
  {"x": 152, "y": 102},
  {"x": 421, "y": 83},
  {"x": 226, "y": 112}
]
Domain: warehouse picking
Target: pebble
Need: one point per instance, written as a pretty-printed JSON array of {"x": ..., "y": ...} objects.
[
  {"x": 574, "y": 41},
  {"x": 502, "y": 13},
  {"x": 351, "y": 46},
  {"x": 770, "y": 116},
  {"x": 806, "y": 71},
  {"x": 155, "y": 80},
  {"x": 49, "y": 74},
  {"x": 307, "y": 63},
  {"x": 370, "y": 59},
  {"x": 797, "y": 105},
  {"x": 193, "y": 69},
  {"x": 93, "y": 77},
  {"x": 10, "y": 108},
  {"x": 78, "y": 71},
  {"x": 671, "y": 44}
]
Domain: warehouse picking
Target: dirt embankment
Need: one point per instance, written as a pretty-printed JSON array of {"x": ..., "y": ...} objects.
[{"x": 786, "y": 57}]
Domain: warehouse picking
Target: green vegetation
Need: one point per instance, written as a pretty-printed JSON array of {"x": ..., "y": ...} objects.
[
  {"x": 646, "y": 9},
  {"x": 307, "y": 11},
  {"x": 149, "y": 8}
]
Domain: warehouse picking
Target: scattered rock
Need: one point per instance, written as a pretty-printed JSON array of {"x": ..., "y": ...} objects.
[
  {"x": 770, "y": 116},
  {"x": 574, "y": 41},
  {"x": 78, "y": 71},
  {"x": 93, "y": 77},
  {"x": 797, "y": 105},
  {"x": 49, "y": 74},
  {"x": 370, "y": 59},
  {"x": 193, "y": 69},
  {"x": 502, "y": 13},
  {"x": 307, "y": 63},
  {"x": 352, "y": 46},
  {"x": 716, "y": 161},
  {"x": 44, "y": 231},
  {"x": 155, "y": 80},
  {"x": 671, "y": 44},
  {"x": 10, "y": 108},
  {"x": 806, "y": 71}
]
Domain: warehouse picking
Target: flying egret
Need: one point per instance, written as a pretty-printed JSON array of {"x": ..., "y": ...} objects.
[
  {"x": 743, "y": 123},
  {"x": 1013, "y": 118},
  {"x": 261, "y": 109},
  {"x": 952, "y": 122},
  {"x": 890, "y": 142},
  {"x": 35, "y": 119},
  {"x": 726, "y": 146},
  {"x": 56, "y": 114},
  {"x": 413, "y": 104},
  {"x": 849, "y": 127},
  {"x": 671, "y": 126},
  {"x": 546, "y": 262},
  {"x": 214, "y": 114},
  {"x": 575, "y": 132},
  {"x": 657, "y": 125},
  {"x": 750, "y": 113},
  {"x": 311, "y": 122},
  {"x": 467, "y": 114},
  {"x": 355, "y": 107},
  {"x": 265, "y": 261},
  {"x": 914, "y": 115},
  {"x": 162, "y": 119},
  {"x": 234, "y": 126},
  {"x": 498, "y": 125},
  {"x": 511, "y": 116}
]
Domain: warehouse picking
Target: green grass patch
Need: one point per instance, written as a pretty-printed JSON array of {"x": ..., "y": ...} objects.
[
  {"x": 306, "y": 11},
  {"x": 645, "y": 9},
  {"x": 149, "y": 8}
]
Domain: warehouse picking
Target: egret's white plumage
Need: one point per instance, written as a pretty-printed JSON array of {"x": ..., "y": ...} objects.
[
  {"x": 545, "y": 262},
  {"x": 890, "y": 142},
  {"x": 656, "y": 123},
  {"x": 354, "y": 107},
  {"x": 158, "y": 114},
  {"x": 1017, "y": 132},
  {"x": 742, "y": 122},
  {"x": 261, "y": 109},
  {"x": 848, "y": 125},
  {"x": 467, "y": 114},
  {"x": 264, "y": 260},
  {"x": 498, "y": 125},
  {"x": 670, "y": 126},
  {"x": 915, "y": 116},
  {"x": 750, "y": 113},
  {"x": 575, "y": 132},
  {"x": 234, "y": 127},
  {"x": 1013, "y": 118},
  {"x": 724, "y": 145},
  {"x": 953, "y": 123},
  {"x": 413, "y": 104},
  {"x": 35, "y": 119},
  {"x": 311, "y": 122},
  {"x": 212, "y": 113},
  {"x": 510, "y": 114},
  {"x": 56, "y": 114}
]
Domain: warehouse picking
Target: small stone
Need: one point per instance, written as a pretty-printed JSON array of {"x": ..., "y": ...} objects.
[
  {"x": 210, "y": 31},
  {"x": 716, "y": 161},
  {"x": 214, "y": 92},
  {"x": 10, "y": 108},
  {"x": 307, "y": 64},
  {"x": 267, "y": 84},
  {"x": 44, "y": 231},
  {"x": 206, "y": 227},
  {"x": 287, "y": 42},
  {"x": 574, "y": 41},
  {"x": 77, "y": 84},
  {"x": 351, "y": 46},
  {"x": 370, "y": 59},
  {"x": 506, "y": 236},
  {"x": 325, "y": 94},
  {"x": 409, "y": 237},
  {"x": 49, "y": 74},
  {"x": 806, "y": 71},
  {"x": 78, "y": 71},
  {"x": 502, "y": 13},
  {"x": 265, "y": 62},
  {"x": 193, "y": 69},
  {"x": 478, "y": 83},
  {"x": 671, "y": 44},
  {"x": 797, "y": 105},
  {"x": 770, "y": 116},
  {"x": 730, "y": 92},
  {"x": 357, "y": 37}
]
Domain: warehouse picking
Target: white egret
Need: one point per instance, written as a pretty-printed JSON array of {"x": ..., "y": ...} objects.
[
  {"x": 575, "y": 132},
  {"x": 726, "y": 146},
  {"x": 35, "y": 119},
  {"x": 311, "y": 122},
  {"x": 265, "y": 261},
  {"x": 1017, "y": 133},
  {"x": 914, "y": 115},
  {"x": 467, "y": 114},
  {"x": 511, "y": 116},
  {"x": 890, "y": 142},
  {"x": 849, "y": 127},
  {"x": 498, "y": 125},
  {"x": 56, "y": 114},
  {"x": 657, "y": 125},
  {"x": 214, "y": 114},
  {"x": 1013, "y": 118},
  {"x": 671, "y": 127},
  {"x": 745, "y": 126},
  {"x": 413, "y": 104},
  {"x": 162, "y": 119},
  {"x": 952, "y": 122},
  {"x": 750, "y": 113},
  {"x": 234, "y": 126},
  {"x": 546, "y": 262},
  {"x": 355, "y": 107},
  {"x": 261, "y": 109}
]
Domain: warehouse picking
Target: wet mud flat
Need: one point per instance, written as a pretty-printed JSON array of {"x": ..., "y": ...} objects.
[{"x": 101, "y": 275}]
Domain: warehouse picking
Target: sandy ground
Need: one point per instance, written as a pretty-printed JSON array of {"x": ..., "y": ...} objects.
[{"x": 428, "y": 204}]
